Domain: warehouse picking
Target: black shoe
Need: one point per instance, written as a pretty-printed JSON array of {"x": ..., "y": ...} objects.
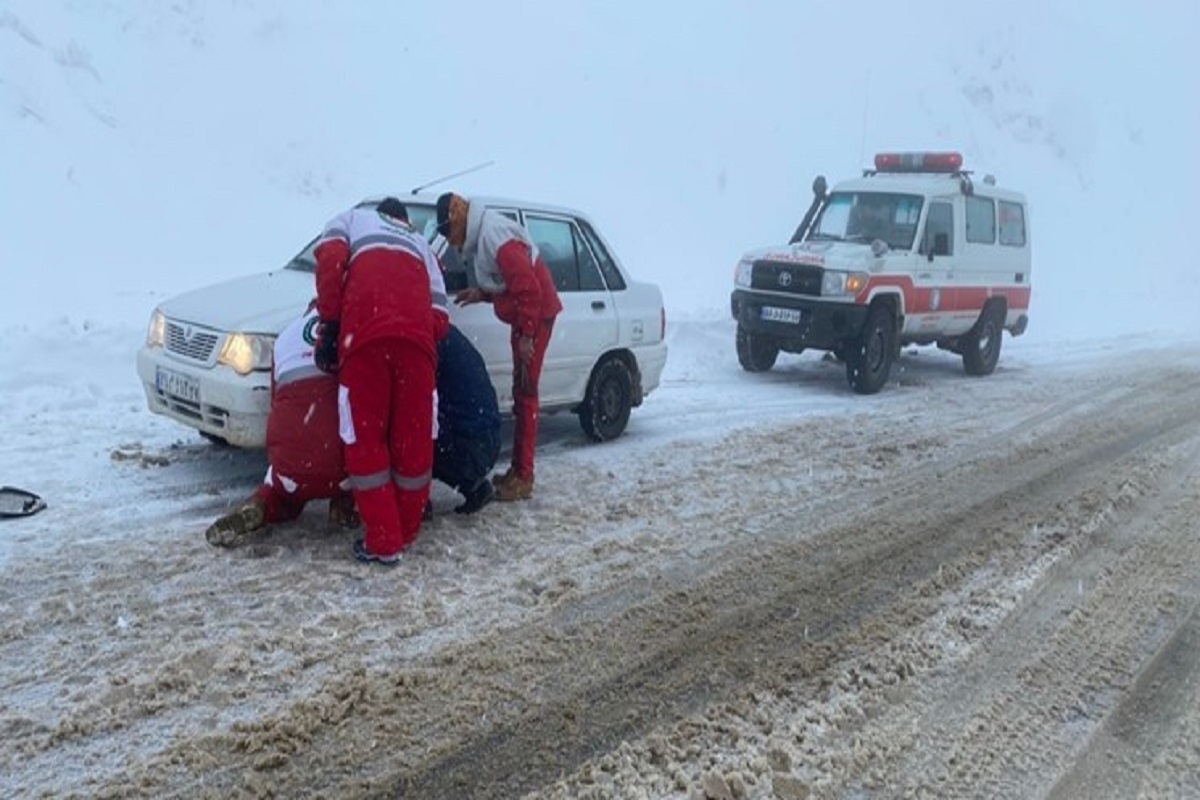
[
  {"x": 477, "y": 498},
  {"x": 427, "y": 514},
  {"x": 366, "y": 556}
]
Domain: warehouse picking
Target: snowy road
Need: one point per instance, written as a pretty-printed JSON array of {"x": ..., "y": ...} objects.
[{"x": 769, "y": 587}]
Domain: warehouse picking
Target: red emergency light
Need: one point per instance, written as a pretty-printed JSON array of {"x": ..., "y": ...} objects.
[{"x": 918, "y": 162}]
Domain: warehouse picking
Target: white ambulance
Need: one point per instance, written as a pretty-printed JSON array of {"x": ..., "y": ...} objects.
[{"x": 916, "y": 251}]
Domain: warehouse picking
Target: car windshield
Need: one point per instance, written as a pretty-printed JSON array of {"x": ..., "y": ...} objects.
[
  {"x": 866, "y": 216},
  {"x": 420, "y": 217}
]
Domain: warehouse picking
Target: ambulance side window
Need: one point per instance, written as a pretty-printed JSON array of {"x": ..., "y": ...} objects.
[
  {"x": 1012, "y": 224},
  {"x": 981, "y": 220},
  {"x": 939, "y": 230}
]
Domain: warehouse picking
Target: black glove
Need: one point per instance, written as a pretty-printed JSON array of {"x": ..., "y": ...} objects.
[{"x": 325, "y": 354}]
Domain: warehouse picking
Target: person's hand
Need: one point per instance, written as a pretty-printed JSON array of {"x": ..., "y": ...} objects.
[
  {"x": 524, "y": 357},
  {"x": 469, "y": 296},
  {"x": 525, "y": 349},
  {"x": 325, "y": 353}
]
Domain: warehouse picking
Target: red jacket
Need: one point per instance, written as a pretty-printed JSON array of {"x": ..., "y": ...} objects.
[
  {"x": 378, "y": 279},
  {"x": 510, "y": 271},
  {"x": 302, "y": 429}
]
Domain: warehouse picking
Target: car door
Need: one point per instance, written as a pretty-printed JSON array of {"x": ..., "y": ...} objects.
[{"x": 588, "y": 324}]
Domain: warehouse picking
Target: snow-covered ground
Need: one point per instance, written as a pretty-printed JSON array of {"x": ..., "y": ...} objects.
[{"x": 138, "y": 660}]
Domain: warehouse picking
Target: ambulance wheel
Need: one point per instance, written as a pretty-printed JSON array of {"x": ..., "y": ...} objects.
[
  {"x": 608, "y": 402},
  {"x": 981, "y": 347},
  {"x": 756, "y": 353},
  {"x": 869, "y": 360}
]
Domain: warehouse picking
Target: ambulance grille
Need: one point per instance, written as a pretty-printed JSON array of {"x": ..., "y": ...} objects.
[{"x": 786, "y": 277}]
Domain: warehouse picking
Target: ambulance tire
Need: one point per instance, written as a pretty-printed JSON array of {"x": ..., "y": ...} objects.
[
  {"x": 869, "y": 360},
  {"x": 981, "y": 346},
  {"x": 756, "y": 353}
]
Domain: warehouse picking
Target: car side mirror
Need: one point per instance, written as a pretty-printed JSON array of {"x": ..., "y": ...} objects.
[{"x": 941, "y": 244}]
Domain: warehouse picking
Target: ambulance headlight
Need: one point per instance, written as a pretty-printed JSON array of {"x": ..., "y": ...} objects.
[
  {"x": 247, "y": 352},
  {"x": 842, "y": 284},
  {"x": 743, "y": 273},
  {"x": 156, "y": 334}
]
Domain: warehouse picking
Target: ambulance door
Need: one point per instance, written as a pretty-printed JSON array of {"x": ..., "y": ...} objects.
[{"x": 935, "y": 296}]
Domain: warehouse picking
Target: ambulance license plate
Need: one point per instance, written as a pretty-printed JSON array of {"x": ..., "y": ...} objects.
[{"x": 789, "y": 315}]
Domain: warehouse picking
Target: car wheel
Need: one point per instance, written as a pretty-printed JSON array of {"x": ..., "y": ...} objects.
[
  {"x": 869, "y": 360},
  {"x": 609, "y": 399},
  {"x": 981, "y": 347},
  {"x": 756, "y": 353}
]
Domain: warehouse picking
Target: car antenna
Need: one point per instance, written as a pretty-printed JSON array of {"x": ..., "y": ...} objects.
[{"x": 459, "y": 174}]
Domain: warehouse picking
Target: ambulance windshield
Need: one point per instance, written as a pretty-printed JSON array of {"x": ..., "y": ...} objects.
[{"x": 866, "y": 216}]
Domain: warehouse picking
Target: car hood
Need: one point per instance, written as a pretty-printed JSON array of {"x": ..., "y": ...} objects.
[
  {"x": 834, "y": 255},
  {"x": 262, "y": 303}
]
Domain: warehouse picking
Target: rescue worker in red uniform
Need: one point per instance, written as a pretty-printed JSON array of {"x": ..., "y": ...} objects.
[
  {"x": 303, "y": 451},
  {"x": 512, "y": 276},
  {"x": 382, "y": 303}
]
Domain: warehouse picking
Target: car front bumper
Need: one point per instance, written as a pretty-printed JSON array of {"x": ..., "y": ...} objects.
[{"x": 214, "y": 400}]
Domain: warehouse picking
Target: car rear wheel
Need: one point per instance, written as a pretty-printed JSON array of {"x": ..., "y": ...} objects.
[
  {"x": 756, "y": 353},
  {"x": 609, "y": 399}
]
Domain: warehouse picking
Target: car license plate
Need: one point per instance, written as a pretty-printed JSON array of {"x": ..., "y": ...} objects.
[
  {"x": 177, "y": 384},
  {"x": 773, "y": 314}
]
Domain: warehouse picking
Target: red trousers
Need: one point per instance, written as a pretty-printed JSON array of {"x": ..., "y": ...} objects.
[
  {"x": 385, "y": 412},
  {"x": 525, "y": 398},
  {"x": 283, "y": 499},
  {"x": 302, "y": 447}
]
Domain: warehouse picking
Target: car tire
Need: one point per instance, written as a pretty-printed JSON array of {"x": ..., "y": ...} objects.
[
  {"x": 756, "y": 353},
  {"x": 981, "y": 347},
  {"x": 869, "y": 360},
  {"x": 608, "y": 402}
]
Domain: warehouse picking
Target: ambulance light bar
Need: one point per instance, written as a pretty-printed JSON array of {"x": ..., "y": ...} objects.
[{"x": 918, "y": 162}]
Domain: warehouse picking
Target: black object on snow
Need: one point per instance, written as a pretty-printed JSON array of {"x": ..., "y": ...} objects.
[{"x": 16, "y": 502}]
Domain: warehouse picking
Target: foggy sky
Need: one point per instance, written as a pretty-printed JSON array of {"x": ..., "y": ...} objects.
[{"x": 150, "y": 148}]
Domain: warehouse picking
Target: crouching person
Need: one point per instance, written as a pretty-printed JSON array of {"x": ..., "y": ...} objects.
[
  {"x": 468, "y": 416},
  {"x": 303, "y": 452}
]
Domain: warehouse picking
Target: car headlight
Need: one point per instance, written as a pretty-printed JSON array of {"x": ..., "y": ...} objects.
[
  {"x": 156, "y": 334},
  {"x": 840, "y": 284},
  {"x": 246, "y": 352},
  {"x": 744, "y": 272}
]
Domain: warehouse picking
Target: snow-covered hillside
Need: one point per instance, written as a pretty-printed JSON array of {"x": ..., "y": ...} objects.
[{"x": 152, "y": 147}]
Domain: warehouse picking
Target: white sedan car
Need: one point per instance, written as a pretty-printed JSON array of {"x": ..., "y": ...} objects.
[{"x": 207, "y": 358}]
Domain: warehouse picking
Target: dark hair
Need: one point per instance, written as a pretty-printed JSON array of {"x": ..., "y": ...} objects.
[
  {"x": 443, "y": 214},
  {"x": 393, "y": 208}
]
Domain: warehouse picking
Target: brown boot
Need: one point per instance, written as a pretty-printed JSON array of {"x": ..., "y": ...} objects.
[
  {"x": 343, "y": 514},
  {"x": 511, "y": 486},
  {"x": 234, "y": 529}
]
